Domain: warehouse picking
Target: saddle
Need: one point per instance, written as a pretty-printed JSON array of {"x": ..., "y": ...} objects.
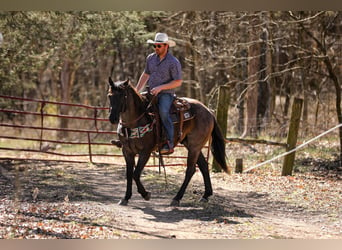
[{"x": 180, "y": 112}]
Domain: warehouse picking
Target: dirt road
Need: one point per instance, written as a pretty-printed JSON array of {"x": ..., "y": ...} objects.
[{"x": 80, "y": 201}]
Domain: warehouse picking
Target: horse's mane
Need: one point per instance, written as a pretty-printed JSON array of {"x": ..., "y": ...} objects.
[
  {"x": 140, "y": 96},
  {"x": 127, "y": 84}
]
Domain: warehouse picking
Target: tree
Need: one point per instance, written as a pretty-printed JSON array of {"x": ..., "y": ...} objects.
[
  {"x": 328, "y": 25},
  {"x": 253, "y": 77},
  {"x": 67, "y": 56}
]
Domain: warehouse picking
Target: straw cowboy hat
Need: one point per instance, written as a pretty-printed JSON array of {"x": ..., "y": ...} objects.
[{"x": 162, "y": 38}]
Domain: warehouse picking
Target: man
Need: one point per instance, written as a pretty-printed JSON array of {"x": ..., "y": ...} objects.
[{"x": 163, "y": 73}]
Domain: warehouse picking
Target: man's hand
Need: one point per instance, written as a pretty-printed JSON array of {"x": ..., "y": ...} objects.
[
  {"x": 156, "y": 90},
  {"x": 170, "y": 85}
]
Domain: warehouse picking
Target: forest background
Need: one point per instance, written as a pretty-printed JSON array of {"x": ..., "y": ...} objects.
[{"x": 265, "y": 58}]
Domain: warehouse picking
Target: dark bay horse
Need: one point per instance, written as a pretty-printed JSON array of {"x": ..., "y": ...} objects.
[{"x": 128, "y": 110}]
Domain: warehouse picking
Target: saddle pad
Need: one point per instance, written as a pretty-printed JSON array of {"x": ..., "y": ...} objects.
[{"x": 187, "y": 115}]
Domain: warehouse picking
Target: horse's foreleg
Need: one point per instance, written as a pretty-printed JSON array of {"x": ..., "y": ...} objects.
[
  {"x": 143, "y": 158},
  {"x": 190, "y": 170},
  {"x": 203, "y": 166},
  {"x": 129, "y": 179}
]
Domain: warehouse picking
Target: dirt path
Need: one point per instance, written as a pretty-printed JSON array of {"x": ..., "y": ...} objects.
[{"x": 80, "y": 201}]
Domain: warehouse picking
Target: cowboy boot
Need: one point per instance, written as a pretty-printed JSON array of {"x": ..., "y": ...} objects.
[
  {"x": 116, "y": 143},
  {"x": 167, "y": 149}
]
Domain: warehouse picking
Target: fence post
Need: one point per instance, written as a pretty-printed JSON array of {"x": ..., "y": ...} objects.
[
  {"x": 95, "y": 118},
  {"x": 89, "y": 148},
  {"x": 292, "y": 136},
  {"x": 222, "y": 115},
  {"x": 41, "y": 124},
  {"x": 239, "y": 166}
]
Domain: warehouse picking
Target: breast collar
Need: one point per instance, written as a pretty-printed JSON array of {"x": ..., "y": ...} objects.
[{"x": 133, "y": 133}]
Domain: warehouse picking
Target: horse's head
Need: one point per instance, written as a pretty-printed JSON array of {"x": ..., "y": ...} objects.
[{"x": 117, "y": 95}]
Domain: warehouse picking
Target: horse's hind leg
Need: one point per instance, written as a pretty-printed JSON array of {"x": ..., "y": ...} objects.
[
  {"x": 190, "y": 170},
  {"x": 203, "y": 166},
  {"x": 143, "y": 158}
]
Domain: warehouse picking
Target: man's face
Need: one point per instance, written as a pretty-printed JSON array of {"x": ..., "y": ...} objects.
[{"x": 160, "y": 48}]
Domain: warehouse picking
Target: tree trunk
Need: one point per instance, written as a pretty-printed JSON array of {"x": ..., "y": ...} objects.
[
  {"x": 263, "y": 85},
  {"x": 67, "y": 81},
  {"x": 252, "y": 92},
  {"x": 240, "y": 88},
  {"x": 337, "y": 85}
]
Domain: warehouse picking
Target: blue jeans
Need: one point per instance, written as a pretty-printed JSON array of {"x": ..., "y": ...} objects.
[{"x": 164, "y": 104}]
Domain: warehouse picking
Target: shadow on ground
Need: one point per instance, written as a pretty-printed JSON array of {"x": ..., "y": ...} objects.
[{"x": 106, "y": 184}]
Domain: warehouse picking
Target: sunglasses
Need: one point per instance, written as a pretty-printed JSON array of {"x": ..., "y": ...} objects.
[{"x": 158, "y": 45}]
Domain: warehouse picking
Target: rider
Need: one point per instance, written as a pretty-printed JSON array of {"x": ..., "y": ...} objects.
[{"x": 163, "y": 73}]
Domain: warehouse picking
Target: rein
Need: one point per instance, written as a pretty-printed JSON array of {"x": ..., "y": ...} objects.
[
  {"x": 140, "y": 116},
  {"x": 135, "y": 120}
]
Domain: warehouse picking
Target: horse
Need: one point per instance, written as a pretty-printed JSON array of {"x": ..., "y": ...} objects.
[{"x": 129, "y": 109}]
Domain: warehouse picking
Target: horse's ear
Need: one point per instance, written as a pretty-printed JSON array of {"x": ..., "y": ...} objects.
[
  {"x": 111, "y": 83},
  {"x": 127, "y": 82}
]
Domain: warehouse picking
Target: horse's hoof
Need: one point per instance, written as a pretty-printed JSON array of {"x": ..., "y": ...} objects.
[
  {"x": 147, "y": 197},
  {"x": 175, "y": 203},
  {"x": 123, "y": 202},
  {"x": 203, "y": 200}
]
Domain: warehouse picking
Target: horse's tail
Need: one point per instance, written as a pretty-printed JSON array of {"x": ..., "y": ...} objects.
[{"x": 218, "y": 148}]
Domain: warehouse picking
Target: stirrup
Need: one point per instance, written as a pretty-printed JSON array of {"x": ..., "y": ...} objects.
[{"x": 166, "y": 149}]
